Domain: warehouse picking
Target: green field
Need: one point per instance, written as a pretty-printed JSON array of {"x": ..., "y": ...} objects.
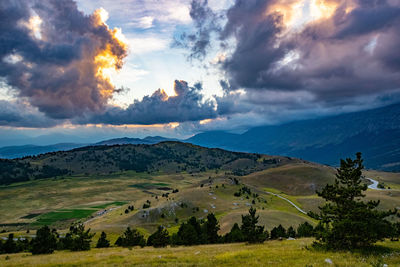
[
  {"x": 115, "y": 203},
  {"x": 62, "y": 215},
  {"x": 293, "y": 253}
]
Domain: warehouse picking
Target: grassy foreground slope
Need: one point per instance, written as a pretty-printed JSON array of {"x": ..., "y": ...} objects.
[{"x": 272, "y": 253}]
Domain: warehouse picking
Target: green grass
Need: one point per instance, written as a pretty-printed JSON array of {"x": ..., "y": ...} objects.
[
  {"x": 148, "y": 185},
  {"x": 62, "y": 215},
  {"x": 115, "y": 203},
  {"x": 296, "y": 253}
]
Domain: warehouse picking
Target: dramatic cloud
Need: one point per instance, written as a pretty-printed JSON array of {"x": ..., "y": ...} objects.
[
  {"x": 21, "y": 114},
  {"x": 331, "y": 51},
  {"x": 186, "y": 105},
  {"x": 205, "y": 22},
  {"x": 58, "y": 58}
]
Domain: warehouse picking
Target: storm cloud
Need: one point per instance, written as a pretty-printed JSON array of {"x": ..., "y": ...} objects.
[
  {"x": 336, "y": 52},
  {"x": 20, "y": 114},
  {"x": 58, "y": 58},
  {"x": 206, "y": 21},
  {"x": 186, "y": 105}
]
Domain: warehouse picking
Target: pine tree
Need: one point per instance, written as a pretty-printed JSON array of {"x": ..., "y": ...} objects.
[
  {"x": 160, "y": 238},
  {"x": 278, "y": 232},
  {"x": 10, "y": 246},
  {"x": 291, "y": 232},
  {"x": 77, "y": 239},
  {"x": 235, "y": 235},
  {"x": 305, "y": 230},
  {"x": 131, "y": 238},
  {"x": 45, "y": 241},
  {"x": 211, "y": 229},
  {"x": 190, "y": 233},
  {"x": 346, "y": 221},
  {"x": 103, "y": 242},
  {"x": 252, "y": 232}
]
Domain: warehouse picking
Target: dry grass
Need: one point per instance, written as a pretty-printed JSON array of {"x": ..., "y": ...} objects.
[{"x": 272, "y": 253}]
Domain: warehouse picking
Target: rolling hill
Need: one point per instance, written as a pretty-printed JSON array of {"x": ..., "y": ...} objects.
[{"x": 167, "y": 183}]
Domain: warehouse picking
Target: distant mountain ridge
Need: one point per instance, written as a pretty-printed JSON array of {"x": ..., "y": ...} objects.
[
  {"x": 374, "y": 132},
  {"x": 11, "y": 152}
]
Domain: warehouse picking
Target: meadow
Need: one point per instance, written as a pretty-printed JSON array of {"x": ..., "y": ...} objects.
[{"x": 272, "y": 253}]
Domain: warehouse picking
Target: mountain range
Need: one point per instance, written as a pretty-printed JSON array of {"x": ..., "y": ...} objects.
[{"x": 375, "y": 133}]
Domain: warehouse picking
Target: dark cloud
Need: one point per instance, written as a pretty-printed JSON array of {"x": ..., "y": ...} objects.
[
  {"x": 186, "y": 105},
  {"x": 21, "y": 114},
  {"x": 58, "y": 65},
  {"x": 333, "y": 59},
  {"x": 206, "y": 21}
]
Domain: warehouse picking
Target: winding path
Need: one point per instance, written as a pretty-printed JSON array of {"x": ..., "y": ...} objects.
[
  {"x": 374, "y": 184},
  {"x": 287, "y": 200}
]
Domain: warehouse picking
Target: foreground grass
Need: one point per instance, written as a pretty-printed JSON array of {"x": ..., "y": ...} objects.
[{"x": 272, "y": 253}]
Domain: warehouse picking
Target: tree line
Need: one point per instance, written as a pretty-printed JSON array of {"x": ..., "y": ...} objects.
[{"x": 192, "y": 232}]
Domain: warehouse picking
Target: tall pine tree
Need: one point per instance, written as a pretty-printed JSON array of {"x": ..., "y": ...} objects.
[{"x": 348, "y": 222}]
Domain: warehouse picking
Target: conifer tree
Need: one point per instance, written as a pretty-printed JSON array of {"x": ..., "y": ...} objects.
[
  {"x": 103, "y": 242},
  {"x": 278, "y": 232},
  {"x": 77, "y": 239},
  {"x": 235, "y": 235},
  {"x": 160, "y": 238},
  {"x": 131, "y": 238},
  {"x": 346, "y": 221},
  {"x": 45, "y": 241},
  {"x": 252, "y": 232},
  {"x": 211, "y": 229},
  {"x": 305, "y": 230}
]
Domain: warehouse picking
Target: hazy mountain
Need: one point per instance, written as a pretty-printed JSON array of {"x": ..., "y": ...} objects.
[
  {"x": 374, "y": 132},
  {"x": 10, "y": 152},
  {"x": 135, "y": 141}
]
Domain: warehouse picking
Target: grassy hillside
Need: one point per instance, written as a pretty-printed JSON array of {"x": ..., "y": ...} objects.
[
  {"x": 166, "y": 157},
  {"x": 179, "y": 181},
  {"x": 272, "y": 253}
]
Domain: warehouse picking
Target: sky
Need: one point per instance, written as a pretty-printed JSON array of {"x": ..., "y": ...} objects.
[{"x": 87, "y": 70}]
